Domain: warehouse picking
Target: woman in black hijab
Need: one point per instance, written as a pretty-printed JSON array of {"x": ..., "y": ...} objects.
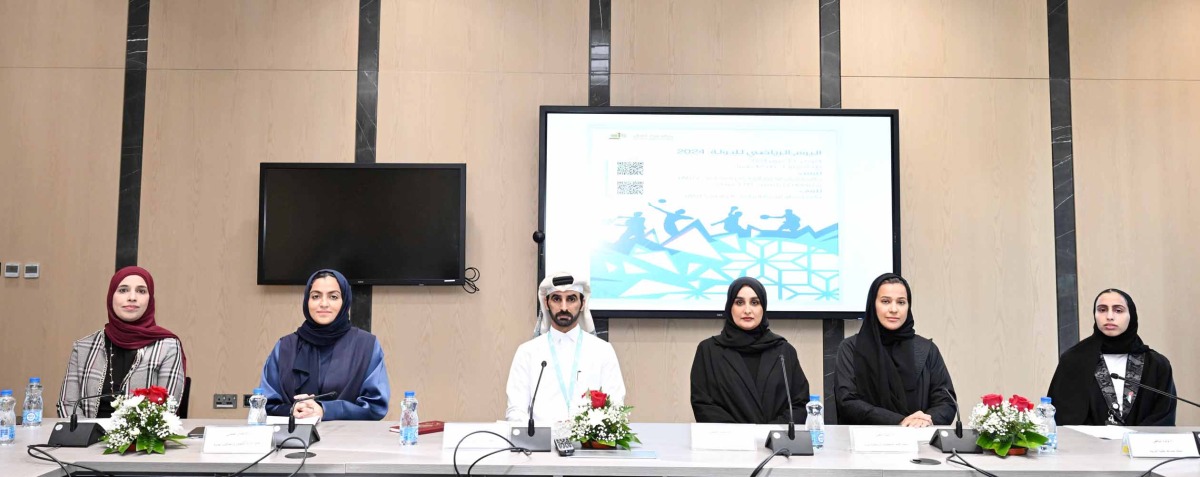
[
  {"x": 886, "y": 374},
  {"x": 736, "y": 376},
  {"x": 1082, "y": 391}
]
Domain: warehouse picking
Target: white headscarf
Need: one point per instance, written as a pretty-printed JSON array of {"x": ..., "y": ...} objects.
[{"x": 547, "y": 287}]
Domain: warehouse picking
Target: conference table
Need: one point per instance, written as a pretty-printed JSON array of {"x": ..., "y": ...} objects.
[{"x": 368, "y": 448}]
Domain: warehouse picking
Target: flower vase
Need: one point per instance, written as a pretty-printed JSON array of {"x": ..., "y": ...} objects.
[
  {"x": 596, "y": 445},
  {"x": 1014, "y": 450}
]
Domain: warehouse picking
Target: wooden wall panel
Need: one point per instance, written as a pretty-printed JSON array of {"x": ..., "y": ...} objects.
[
  {"x": 519, "y": 36},
  {"x": 976, "y": 223},
  {"x": 63, "y": 33},
  {"x": 726, "y": 37},
  {"x": 254, "y": 34},
  {"x": 454, "y": 349},
  {"x": 716, "y": 90},
  {"x": 1135, "y": 39},
  {"x": 945, "y": 38},
  {"x": 206, "y": 132},
  {"x": 60, "y": 146},
  {"x": 1136, "y": 180}
]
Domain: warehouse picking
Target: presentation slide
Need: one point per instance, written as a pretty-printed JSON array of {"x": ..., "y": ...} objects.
[{"x": 661, "y": 211}]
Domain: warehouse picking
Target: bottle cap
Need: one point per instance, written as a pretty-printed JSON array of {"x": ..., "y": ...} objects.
[
  {"x": 408, "y": 394},
  {"x": 258, "y": 391},
  {"x": 814, "y": 397},
  {"x": 35, "y": 379},
  {"x": 6, "y": 392},
  {"x": 1045, "y": 400}
]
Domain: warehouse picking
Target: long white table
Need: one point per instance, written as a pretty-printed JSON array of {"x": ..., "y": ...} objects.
[{"x": 367, "y": 448}]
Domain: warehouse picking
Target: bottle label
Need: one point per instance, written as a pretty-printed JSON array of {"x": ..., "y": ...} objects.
[
  {"x": 8, "y": 433},
  {"x": 409, "y": 433},
  {"x": 33, "y": 417},
  {"x": 818, "y": 438}
]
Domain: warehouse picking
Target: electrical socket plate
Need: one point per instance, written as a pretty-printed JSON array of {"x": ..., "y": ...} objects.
[
  {"x": 225, "y": 401},
  {"x": 12, "y": 270},
  {"x": 33, "y": 270}
]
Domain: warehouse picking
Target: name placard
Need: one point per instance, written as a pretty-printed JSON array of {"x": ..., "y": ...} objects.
[
  {"x": 725, "y": 437},
  {"x": 883, "y": 440},
  {"x": 1161, "y": 445},
  {"x": 238, "y": 439}
]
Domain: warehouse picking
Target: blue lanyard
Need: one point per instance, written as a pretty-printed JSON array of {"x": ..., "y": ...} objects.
[{"x": 567, "y": 394}]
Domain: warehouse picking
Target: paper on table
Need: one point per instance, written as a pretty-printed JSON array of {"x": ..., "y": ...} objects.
[
  {"x": 272, "y": 420},
  {"x": 1102, "y": 432}
]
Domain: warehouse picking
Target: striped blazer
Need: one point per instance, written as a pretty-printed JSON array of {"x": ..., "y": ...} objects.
[{"x": 159, "y": 364}]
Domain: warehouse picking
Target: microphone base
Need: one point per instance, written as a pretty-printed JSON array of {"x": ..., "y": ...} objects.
[
  {"x": 801, "y": 445},
  {"x": 946, "y": 441},
  {"x": 540, "y": 441},
  {"x": 306, "y": 433},
  {"x": 85, "y": 434}
]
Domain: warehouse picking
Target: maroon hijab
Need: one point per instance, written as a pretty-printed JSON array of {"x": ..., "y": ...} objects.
[{"x": 143, "y": 332}]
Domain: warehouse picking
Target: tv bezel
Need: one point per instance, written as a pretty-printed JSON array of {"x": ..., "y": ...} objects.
[
  {"x": 892, "y": 114},
  {"x": 462, "y": 219}
]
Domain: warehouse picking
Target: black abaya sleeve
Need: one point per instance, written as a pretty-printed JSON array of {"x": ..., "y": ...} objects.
[
  {"x": 704, "y": 407},
  {"x": 941, "y": 406},
  {"x": 1162, "y": 408},
  {"x": 851, "y": 408}
]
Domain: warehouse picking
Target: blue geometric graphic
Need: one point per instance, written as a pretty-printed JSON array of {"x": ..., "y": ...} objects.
[{"x": 683, "y": 259}]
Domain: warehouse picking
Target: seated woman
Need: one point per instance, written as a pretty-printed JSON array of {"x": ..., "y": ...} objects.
[
  {"x": 327, "y": 354},
  {"x": 130, "y": 352},
  {"x": 886, "y": 374},
  {"x": 1082, "y": 391},
  {"x": 736, "y": 375}
]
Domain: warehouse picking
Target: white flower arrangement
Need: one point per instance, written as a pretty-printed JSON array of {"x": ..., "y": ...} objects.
[
  {"x": 597, "y": 420},
  {"x": 144, "y": 421},
  {"x": 1005, "y": 425}
]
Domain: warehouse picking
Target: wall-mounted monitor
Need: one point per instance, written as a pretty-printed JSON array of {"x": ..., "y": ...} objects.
[
  {"x": 379, "y": 224},
  {"x": 661, "y": 208}
]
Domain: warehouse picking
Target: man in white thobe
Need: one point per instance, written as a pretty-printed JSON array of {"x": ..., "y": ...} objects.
[{"x": 576, "y": 361}]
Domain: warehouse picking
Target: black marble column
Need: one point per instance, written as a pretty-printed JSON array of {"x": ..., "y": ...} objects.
[
  {"x": 832, "y": 331},
  {"x": 599, "y": 71},
  {"x": 133, "y": 120},
  {"x": 1062, "y": 163},
  {"x": 365, "y": 120}
]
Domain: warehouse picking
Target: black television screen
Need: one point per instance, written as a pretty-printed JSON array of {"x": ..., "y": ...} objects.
[{"x": 379, "y": 224}]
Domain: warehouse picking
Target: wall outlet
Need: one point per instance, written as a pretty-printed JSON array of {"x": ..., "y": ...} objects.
[
  {"x": 224, "y": 401},
  {"x": 246, "y": 400}
]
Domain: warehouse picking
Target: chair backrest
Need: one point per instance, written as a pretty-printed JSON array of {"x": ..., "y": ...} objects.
[{"x": 182, "y": 411}]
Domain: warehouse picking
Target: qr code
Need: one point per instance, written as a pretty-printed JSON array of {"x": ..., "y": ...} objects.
[
  {"x": 629, "y": 188},
  {"x": 629, "y": 168}
]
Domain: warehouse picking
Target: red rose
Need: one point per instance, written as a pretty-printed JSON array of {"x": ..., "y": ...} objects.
[
  {"x": 992, "y": 400},
  {"x": 1020, "y": 403},
  {"x": 154, "y": 394},
  {"x": 598, "y": 399}
]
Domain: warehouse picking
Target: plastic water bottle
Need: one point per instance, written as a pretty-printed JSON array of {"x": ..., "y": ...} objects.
[
  {"x": 31, "y": 412},
  {"x": 1044, "y": 413},
  {"x": 815, "y": 422},
  {"x": 408, "y": 419},
  {"x": 8, "y": 418},
  {"x": 258, "y": 408}
]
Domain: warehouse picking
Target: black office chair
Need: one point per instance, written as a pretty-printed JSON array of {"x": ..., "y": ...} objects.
[{"x": 182, "y": 411}]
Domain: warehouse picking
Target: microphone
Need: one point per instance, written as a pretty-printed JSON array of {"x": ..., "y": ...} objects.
[
  {"x": 941, "y": 438},
  {"x": 74, "y": 436},
  {"x": 788, "y": 390},
  {"x": 788, "y": 443},
  {"x": 534, "y": 397},
  {"x": 523, "y": 437},
  {"x": 1143, "y": 386},
  {"x": 306, "y": 433}
]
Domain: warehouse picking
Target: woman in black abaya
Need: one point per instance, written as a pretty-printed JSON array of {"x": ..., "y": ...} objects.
[
  {"x": 1082, "y": 391},
  {"x": 736, "y": 375}
]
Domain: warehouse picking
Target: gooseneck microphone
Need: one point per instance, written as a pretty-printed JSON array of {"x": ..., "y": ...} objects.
[
  {"x": 1148, "y": 388},
  {"x": 75, "y": 407},
  {"x": 960, "y": 442},
  {"x": 788, "y": 390},
  {"x": 787, "y": 443},
  {"x": 534, "y": 397},
  {"x": 958, "y": 430}
]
